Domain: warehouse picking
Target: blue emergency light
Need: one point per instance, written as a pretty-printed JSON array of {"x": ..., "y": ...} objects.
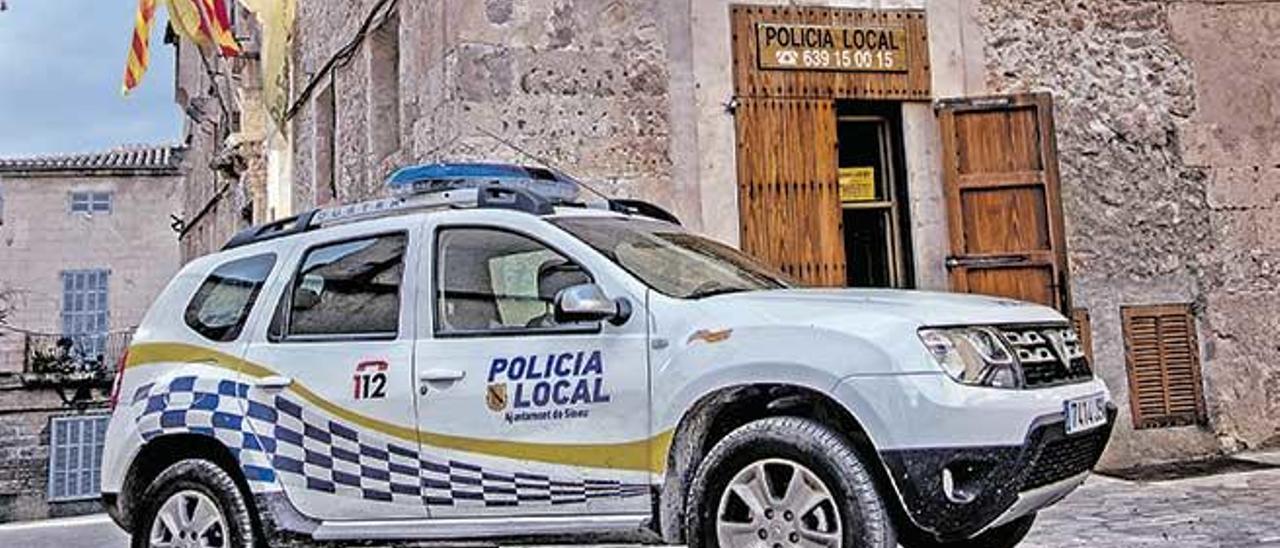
[{"x": 548, "y": 184}]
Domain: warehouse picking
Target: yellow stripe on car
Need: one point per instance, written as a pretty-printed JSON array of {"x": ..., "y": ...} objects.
[{"x": 642, "y": 455}]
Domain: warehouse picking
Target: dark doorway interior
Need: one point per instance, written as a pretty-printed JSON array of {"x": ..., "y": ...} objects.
[{"x": 874, "y": 195}]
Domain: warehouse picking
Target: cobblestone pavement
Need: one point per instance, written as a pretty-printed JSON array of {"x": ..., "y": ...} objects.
[
  {"x": 1223, "y": 511},
  {"x": 1228, "y": 510}
]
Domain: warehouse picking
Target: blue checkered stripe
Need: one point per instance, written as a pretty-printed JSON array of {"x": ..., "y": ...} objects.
[{"x": 302, "y": 447}]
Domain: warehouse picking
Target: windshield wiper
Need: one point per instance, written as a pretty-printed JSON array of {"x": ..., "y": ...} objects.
[{"x": 713, "y": 291}]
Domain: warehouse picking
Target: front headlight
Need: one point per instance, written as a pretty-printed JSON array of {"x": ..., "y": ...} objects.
[{"x": 972, "y": 355}]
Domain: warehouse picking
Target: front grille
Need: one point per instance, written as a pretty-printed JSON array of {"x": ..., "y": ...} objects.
[
  {"x": 1049, "y": 355},
  {"x": 1065, "y": 457}
]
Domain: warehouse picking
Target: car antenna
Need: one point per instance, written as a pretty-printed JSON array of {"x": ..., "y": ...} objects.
[{"x": 542, "y": 161}]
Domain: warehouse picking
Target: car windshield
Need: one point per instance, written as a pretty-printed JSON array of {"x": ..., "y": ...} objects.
[{"x": 670, "y": 259}]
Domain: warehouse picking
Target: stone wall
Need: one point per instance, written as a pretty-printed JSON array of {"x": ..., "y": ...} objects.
[
  {"x": 225, "y": 171},
  {"x": 1165, "y": 135},
  {"x": 24, "y": 454},
  {"x": 581, "y": 85}
]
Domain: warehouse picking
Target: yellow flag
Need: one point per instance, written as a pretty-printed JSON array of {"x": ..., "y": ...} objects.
[
  {"x": 186, "y": 18},
  {"x": 276, "y": 19}
]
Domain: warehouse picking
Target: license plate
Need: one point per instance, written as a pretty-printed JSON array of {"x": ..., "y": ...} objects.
[{"x": 1086, "y": 413}]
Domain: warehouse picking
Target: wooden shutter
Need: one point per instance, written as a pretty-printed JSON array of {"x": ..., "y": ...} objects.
[
  {"x": 1004, "y": 211},
  {"x": 788, "y": 200},
  {"x": 1163, "y": 360}
]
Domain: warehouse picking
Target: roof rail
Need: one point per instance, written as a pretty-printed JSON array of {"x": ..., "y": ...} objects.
[
  {"x": 275, "y": 229},
  {"x": 641, "y": 207},
  {"x": 485, "y": 197},
  {"x": 532, "y": 190}
]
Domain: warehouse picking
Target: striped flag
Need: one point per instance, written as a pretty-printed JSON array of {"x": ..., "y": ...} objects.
[
  {"x": 220, "y": 27},
  {"x": 204, "y": 22},
  {"x": 136, "y": 63}
]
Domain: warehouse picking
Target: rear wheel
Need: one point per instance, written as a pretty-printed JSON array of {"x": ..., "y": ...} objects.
[
  {"x": 194, "y": 504},
  {"x": 785, "y": 482}
]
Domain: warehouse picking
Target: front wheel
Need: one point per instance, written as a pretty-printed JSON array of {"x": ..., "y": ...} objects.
[
  {"x": 785, "y": 482},
  {"x": 194, "y": 504}
]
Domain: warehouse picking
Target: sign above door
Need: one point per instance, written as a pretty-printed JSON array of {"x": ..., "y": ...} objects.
[
  {"x": 827, "y": 47},
  {"x": 830, "y": 53}
]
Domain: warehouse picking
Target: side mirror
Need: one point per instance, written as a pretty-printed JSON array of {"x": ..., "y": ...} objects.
[
  {"x": 305, "y": 298},
  {"x": 588, "y": 303}
]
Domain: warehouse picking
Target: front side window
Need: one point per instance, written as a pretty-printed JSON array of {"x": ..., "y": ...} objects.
[
  {"x": 349, "y": 288},
  {"x": 492, "y": 280},
  {"x": 84, "y": 311},
  {"x": 671, "y": 260},
  {"x": 221, "y": 305},
  {"x": 90, "y": 202}
]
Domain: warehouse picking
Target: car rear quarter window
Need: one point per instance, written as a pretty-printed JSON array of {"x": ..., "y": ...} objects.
[
  {"x": 345, "y": 289},
  {"x": 221, "y": 305}
]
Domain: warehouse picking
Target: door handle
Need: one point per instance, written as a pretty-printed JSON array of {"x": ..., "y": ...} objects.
[
  {"x": 442, "y": 375},
  {"x": 273, "y": 382}
]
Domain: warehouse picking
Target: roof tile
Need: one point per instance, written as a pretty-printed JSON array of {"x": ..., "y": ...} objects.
[{"x": 134, "y": 157}]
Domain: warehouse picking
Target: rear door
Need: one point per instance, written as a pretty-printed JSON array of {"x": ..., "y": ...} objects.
[
  {"x": 1003, "y": 198},
  {"x": 520, "y": 414},
  {"x": 331, "y": 379}
]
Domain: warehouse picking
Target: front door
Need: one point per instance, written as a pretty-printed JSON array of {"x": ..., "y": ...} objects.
[
  {"x": 520, "y": 414},
  {"x": 331, "y": 391},
  {"x": 1003, "y": 203},
  {"x": 873, "y": 195}
]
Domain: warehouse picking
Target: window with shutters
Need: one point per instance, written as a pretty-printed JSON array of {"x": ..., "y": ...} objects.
[
  {"x": 84, "y": 311},
  {"x": 75, "y": 457},
  {"x": 1163, "y": 360}
]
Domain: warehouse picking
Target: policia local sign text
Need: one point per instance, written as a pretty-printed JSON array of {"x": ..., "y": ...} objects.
[{"x": 840, "y": 48}]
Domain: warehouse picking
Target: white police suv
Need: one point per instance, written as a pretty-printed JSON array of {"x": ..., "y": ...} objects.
[{"x": 482, "y": 357}]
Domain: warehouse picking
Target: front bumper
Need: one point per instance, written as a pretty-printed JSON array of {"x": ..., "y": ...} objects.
[{"x": 957, "y": 493}]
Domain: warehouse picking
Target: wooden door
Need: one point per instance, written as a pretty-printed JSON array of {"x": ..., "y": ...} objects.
[
  {"x": 1004, "y": 209},
  {"x": 788, "y": 197}
]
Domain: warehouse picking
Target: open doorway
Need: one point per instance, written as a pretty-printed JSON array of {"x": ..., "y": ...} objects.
[{"x": 873, "y": 195}]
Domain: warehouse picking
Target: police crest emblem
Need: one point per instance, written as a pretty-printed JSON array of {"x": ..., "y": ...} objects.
[{"x": 496, "y": 397}]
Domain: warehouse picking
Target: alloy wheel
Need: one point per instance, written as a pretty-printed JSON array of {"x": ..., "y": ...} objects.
[
  {"x": 778, "y": 503},
  {"x": 189, "y": 519}
]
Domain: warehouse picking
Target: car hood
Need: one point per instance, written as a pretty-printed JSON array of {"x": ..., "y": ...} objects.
[{"x": 836, "y": 308}]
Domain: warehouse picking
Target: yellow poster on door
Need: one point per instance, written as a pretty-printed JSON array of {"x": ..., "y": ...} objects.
[{"x": 857, "y": 184}]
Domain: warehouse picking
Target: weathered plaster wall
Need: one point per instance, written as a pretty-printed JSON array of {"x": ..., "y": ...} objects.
[
  {"x": 134, "y": 242},
  {"x": 1163, "y": 132},
  {"x": 584, "y": 85},
  {"x": 1233, "y": 134}
]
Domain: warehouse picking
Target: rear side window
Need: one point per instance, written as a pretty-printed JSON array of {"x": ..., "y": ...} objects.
[
  {"x": 349, "y": 288},
  {"x": 222, "y": 304}
]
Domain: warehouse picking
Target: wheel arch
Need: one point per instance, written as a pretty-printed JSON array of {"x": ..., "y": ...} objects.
[
  {"x": 162, "y": 452},
  {"x": 721, "y": 411}
]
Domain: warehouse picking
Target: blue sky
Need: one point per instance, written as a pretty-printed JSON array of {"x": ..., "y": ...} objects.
[{"x": 61, "y": 64}]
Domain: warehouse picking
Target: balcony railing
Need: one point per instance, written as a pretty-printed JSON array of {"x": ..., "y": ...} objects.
[{"x": 79, "y": 356}]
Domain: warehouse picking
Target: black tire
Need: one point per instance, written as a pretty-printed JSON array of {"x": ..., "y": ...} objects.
[
  {"x": 208, "y": 479},
  {"x": 864, "y": 519},
  {"x": 1004, "y": 536}
]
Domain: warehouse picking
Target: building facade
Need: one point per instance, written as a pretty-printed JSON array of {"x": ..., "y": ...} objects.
[
  {"x": 1112, "y": 159},
  {"x": 86, "y": 242}
]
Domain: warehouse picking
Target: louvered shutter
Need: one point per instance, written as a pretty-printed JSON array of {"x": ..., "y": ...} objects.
[{"x": 1163, "y": 360}]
